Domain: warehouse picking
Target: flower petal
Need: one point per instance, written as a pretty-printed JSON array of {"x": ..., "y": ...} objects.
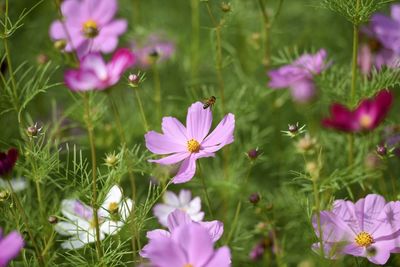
[
  {"x": 172, "y": 159},
  {"x": 221, "y": 258},
  {"x": 162, "y": 144},
  {"x": 368, "y": 210},
  {"x": 186, "y": 171},
  {"x": 198, "y": 122},
  {"x": 221, "y": 136},
  {"x": 10, "y": 247},
  {"x": 120, "y": 62},
  {"x": 174, "y": 129}
]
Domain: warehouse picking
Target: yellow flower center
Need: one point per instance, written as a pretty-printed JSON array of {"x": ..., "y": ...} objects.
[
  {"x": 90, "y": 29},
  {"x": 364, "y": 239},
  {"x": 113, "y": 207},
  {"x": 188, "y": 265},
  {"x": 366, "y": 121},
  {"x": 193, "y": 146}
]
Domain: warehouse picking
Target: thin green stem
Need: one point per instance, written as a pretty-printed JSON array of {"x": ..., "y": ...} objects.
[
  {"x": 355, "y": 56},
  {"x": 141, "y": 109},
  {"x": 218, "y": 62},
  {"x": 117, "y": 119},
  {"x": 239, "y": 206},
  {"x": 203, "y": 182},
  {"x": 26, "y": 221},
  {"x": 157, "y": 87},
  {"x": 195, "y": 38},
  {"x": 351, "y": 149},
  {"x": 90, "y": 129},
  {"x": 267, "y": 27},
  {"x": 39, "y": 196},
  {"x": 317, "y": 210}
]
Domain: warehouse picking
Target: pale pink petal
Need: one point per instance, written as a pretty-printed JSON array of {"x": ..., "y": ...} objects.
[
  {"x": 162, "y": 211},
  {"x": 379, "y": 252},
  {"x": 95, "y": 63},
  {"x": 221, "y": 258},
  {"x": 395, "y": 12},
  {"x": 172, "y": 159},
  {"x": 221, "y": 136},
  {"x": 114, "y": 28},
  {"x": 174, "y": 129},
  {"x": 368, "y": 210},
  {"x": 57, "y": 31},
  {"x": 71, "y": 10},
  {"x": 186, "y": 171},
  {"x": 185, "y": 196},
  {"x": 165, "y": 248},
  {"x": 171, "y": 199},
  {"x": 214, "y": 228},
  {"x": 161, "y": 144},
  {"x": 198, "y": 122},
  {"x": 178, "y": 218},
  {"x": 104, "y": 10}
]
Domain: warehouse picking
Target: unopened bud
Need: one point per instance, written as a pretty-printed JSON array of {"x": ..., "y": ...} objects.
[
  {"x": 381, "y": 150},
  {"x": 52, "y": 219},
  {"x": 254, "y": 198},
  {"x": 111, "y": 160},
  {"x": 60, "y": 44},
  {"x": 253, "y": 153},
  {"x": 42, "y": 59},
  {"x": 226, "y": 7}
]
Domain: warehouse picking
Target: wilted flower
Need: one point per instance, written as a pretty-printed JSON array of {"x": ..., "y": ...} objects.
[
  {"x": 88, "y": 26},
  {"x": 81, "y": 224},
  {"x": 7, "y": 161},
  {"x": 186, "y": 145},
  {"x": 186, "y": 244},
  {"x": 182, "y": 202},
  {"x": 299, "y": 75},
  {"x": 10, "y": 247},
  {"x": 95, "y": 74},
  {"x": 367, "y": 228},
  {"x": 153, "y": 50},
  {"x": 366, "y": 117}
]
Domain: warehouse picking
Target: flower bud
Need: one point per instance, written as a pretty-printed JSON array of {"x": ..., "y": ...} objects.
[
  {"x": 381, "y": 150},
  {"x": 254, "y": 198},
  {"x": 111, "y": 160},
  {"x": 60, "y": 44},
  {"x": 52, "y": 219},
  {"x": 253, "y": 154},
  {"x": 226, "y": 7},
  {"x": 42, "y": 59}
]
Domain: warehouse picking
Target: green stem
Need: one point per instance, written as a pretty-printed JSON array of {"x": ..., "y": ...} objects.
[
  {"x": 90, "y": 128},
  {"x": 195, "y": 38},
  {"x": 157, "y": 95},
  {"x": 239, "y": 206},
  {"x": 26, "y": 221},
  {"x": 143, "y": 115},
  {"x": 39, "y": 196},
  {"x": 351, "y": 150},
  {"x": 317, "y": 210},
  {"x": 203, "y": 182},
  {"x": 117, "y": 118},
  {"x": 355, "y": 56},
  {"x": 218, "y": 63},
  {"x": 267, "y": 27}
]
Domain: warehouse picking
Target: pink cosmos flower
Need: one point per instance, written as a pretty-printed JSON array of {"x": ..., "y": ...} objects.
[
  {"x": 366, "y": 117},
  {"x": 182, "y": 202},
  {"x": 155, "y": 49},
  {"x": 95, "y": 74},
  {"x": 7, "y": 161},
  {"x": 367, "y": 228},
  {"x": 298, "y": 76},
  {"x": 10, "y": 247},
  {"x": 187, "y": 244},
  {"x": 88, "y": 26},
  {"x": 186, "y": 145}
]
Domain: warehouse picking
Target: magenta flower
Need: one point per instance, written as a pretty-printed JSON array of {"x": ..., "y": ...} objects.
[
  {"x": 366, "y": 117},
  {"x": 299, "y": 75},
  {"x": 155, "y": 49},
  {"x": 88, "y": 26},
  {"x": 10, "y": 247},
  {"x": 188, "y": 244},
  {"x": 95, "y": 74},
  {"x": 186, "y": 145},
  {"x": 7, "y": 161},
  {"x": 367, "y": 228}
]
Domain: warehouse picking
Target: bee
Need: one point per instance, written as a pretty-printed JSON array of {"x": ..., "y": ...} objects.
[{"x": 209, "y": 102}]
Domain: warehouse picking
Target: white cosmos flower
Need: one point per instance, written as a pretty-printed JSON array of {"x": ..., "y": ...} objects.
[
  {"x": 18, "y": 184},
  {"x": 182, "y": 202},
  {"x": 81, "y": 224}
]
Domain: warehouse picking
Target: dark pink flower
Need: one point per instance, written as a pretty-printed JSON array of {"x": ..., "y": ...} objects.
[
  {"x": 10, "y": 247},
  {"x": 7, "y": 161},
  {"x": 187, "y": 144},
  {"x": 298, "y": 76},
  {"x": 95, "y": 74},
  {"x": 366, "y": 117},
  {"x": 88, "y": 26}
]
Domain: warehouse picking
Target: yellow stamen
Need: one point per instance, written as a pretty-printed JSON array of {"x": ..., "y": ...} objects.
[
  {"x": 364, "y": 239},
  {"x": 113, "y": 207},
  {"x": 90, "y": 29},
  {"x": 193, "y": 146},
  {"x": 188, "y": 265},
  {"x": 366, "y": 121}
]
